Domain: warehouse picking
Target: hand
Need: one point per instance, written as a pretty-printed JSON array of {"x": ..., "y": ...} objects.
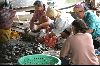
[
  {"x": 52, "y": 34},
  {"x": 36, "y": 23},
  {"x": 35, "y": 27},
  {"x": 64, "y": 35},
  {"x": 64, "y": 61},
  {"x": 72, "y": 31},
  {"x": 90, "y": 31}
]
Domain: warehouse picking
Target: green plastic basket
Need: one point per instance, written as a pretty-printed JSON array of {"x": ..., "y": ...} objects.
[{"x": 39, "y": 59}]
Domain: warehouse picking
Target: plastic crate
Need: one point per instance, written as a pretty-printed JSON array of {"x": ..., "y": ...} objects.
[{"x": 39, "y": 59}]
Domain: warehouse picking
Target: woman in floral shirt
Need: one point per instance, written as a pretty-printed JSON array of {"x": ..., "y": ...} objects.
[
  {"x": 92, "y": 21},
  {"x": 6, "y": 20}
]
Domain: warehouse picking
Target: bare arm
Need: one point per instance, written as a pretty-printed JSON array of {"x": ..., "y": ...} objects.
[
  {"x": 65, "y": 49},
  {"x": 43, "y": 25},
  {"x": 32, "y": 22},
  {"x": 89, "y": 31}
]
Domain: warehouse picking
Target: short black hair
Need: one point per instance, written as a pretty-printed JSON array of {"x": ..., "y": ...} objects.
[
  {"x": 80, "y": 25},
  {"x": 38, "y": 3}
]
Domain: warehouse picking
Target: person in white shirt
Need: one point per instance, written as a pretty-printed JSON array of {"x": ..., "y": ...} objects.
[{"x": 60, "y": 21}]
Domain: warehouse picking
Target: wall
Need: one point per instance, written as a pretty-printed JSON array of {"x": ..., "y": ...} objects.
[{"x": 22, "y": 3}]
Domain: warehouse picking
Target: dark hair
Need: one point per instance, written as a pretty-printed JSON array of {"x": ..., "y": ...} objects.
[
  {"x": 80, "y": 25},
  {"x": 38, "y": 3},
  {"x": 2, "y": 4}
]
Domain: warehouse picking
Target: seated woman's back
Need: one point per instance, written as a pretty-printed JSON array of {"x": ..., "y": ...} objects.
[
  {"x": 79, "y": 46},
  {"x": 82, "y": 49}
]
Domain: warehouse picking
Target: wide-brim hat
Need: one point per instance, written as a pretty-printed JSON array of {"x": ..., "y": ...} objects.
[{"x": 51, "y": 12}]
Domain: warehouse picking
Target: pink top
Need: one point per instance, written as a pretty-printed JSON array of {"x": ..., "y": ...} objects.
[
  {"x": 6, "y": 18},
  {"x": 80, "y": 48},
  {"x": 37, "y": 16}
]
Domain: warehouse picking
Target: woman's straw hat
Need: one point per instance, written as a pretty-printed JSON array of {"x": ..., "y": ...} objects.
[{"x": 51, "y": 12}]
